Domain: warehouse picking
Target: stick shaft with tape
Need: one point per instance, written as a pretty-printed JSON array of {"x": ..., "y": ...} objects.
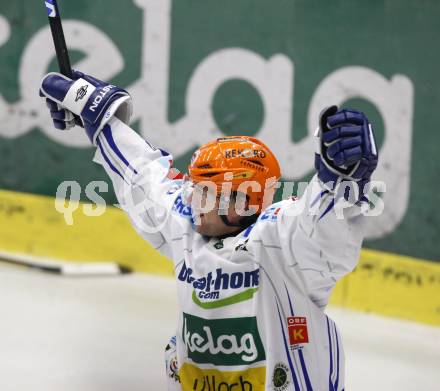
[
  {"x": 58, "y": 37},
  {"x": 60, "y": 43}
]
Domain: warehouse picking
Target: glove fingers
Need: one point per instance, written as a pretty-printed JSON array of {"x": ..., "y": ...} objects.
[
  {"x": 63, "y": 125},
  {"x": 63, "y": 115},
  {"x": 53, "y": 106},
  {"x": 70, "y": 124},
  {"x": 348, "y": 156},
  {"x": 346, "y": 117},
  {"x": 343, "y": 131},
  {"x": 58, "y": 114},
  {"x": 342, "y": 144},
  {"x": 59, "y": 124},
  {"x": 362, "y": 171},
  {"x": 347, "y": 141}
]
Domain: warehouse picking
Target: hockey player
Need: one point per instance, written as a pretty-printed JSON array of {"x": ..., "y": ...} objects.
[{"x": 253, "y": 278}]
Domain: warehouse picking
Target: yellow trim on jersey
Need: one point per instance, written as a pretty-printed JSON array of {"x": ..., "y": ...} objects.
[
  {"x": 195, "y": 378},
  {"x": 384, "y": 283}
]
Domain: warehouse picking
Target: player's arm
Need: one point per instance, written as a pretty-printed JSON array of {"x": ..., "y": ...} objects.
[
  {"x": 324, "y": 230},
  {"x": 139, "y": 172}
]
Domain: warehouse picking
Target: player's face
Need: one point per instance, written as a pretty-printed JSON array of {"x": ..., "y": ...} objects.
[{"x": 208, "y": 220}]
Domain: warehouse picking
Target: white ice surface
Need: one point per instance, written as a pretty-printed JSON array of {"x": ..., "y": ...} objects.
[{"x": 93, "y": 334}]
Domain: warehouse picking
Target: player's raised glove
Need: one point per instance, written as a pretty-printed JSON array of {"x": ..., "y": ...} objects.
[
  {"x": 346, "y": 147},
  {"x": 93, "y": 100}
]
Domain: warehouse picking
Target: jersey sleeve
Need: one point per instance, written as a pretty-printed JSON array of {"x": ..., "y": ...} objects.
[
  {"x": 142, "y": 181},
  {"x": 321, "y": 239}
]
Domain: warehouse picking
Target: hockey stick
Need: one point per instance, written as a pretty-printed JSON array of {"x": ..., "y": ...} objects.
[
  {"x": 54, "y": 266},
  {"x": 58, "y": 37},
  {"x": 64, "y": 268},
  {"x": 60, "y": 43}
]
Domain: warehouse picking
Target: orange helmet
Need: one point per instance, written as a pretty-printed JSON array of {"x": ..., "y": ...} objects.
[{"x": 237, "y": 159}]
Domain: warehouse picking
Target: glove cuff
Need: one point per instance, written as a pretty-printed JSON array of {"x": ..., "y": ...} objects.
[{"x": 120, "y": 108}]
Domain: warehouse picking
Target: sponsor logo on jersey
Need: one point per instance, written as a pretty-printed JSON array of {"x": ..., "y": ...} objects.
[
  {"x": 270, "y": 214},
  {"x": 246, "y": 153},
  {"x": 197, "y": 379},
  {"x": 98, "y": 98},
  {"x": 81, "y": 92},
  {"x": 181, "y": 208},
  {"x": 280, "y": 377},
  {"x": 297, "y": 328},
  {"x": 230, "y": 341},
  {"x": 209, "y": 290},
  {"x": 242, "y": 246},
  {"x": 219, "y": 245}
]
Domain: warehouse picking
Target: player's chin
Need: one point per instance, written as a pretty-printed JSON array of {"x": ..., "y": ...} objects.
[
  {"x": 200, "y": 224},
  {"x": 199, "y": 229},
  {"x": 204, "y": 228}
]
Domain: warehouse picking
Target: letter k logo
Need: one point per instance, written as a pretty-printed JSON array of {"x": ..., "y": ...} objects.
[
  {"x": 297, "y": 327},
  {"x": 298, "y": 335}
]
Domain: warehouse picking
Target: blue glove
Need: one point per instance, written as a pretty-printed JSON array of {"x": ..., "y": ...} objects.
[
  {"x": 93, "y": 100},
  {"x": 347, "y": 148}
]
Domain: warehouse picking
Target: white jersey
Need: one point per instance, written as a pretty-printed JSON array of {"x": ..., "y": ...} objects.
[{"x": 251, "y": 306}]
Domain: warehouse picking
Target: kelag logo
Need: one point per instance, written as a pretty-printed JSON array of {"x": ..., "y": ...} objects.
[
  {"x": 230, "y": 341},
  {"x": 210, "y": 287}
]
